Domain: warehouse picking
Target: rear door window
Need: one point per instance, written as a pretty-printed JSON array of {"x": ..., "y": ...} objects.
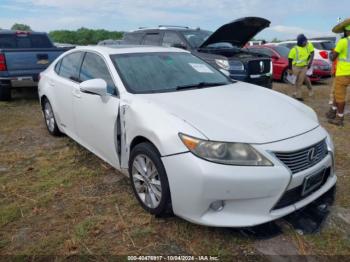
[
  {"x": 58, "y": 67},
  {"x": 95, "y": 67},
  {"x": 151, "y": 39},
  {"x": 70, "y": 66}
]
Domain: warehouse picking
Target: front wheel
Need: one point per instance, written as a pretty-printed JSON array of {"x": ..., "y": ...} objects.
[{"x": 149, "y": 180}]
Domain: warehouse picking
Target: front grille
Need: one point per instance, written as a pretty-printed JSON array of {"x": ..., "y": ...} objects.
[
  {"x": 303, "y": 159},
  {"x": 294, "y": 195},
  {"x": 257, "y": 67}
]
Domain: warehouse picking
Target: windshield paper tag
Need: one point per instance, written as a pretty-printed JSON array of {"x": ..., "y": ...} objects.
[{"x": 201, "y": 68}]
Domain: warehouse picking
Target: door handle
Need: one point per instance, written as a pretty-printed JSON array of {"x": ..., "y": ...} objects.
[{"x": 51, "y": 83}]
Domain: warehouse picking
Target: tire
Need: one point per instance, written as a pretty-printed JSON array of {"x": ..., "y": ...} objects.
[
  {"x": 50, "y": 120},
  {"x": 152, "y": 193},
  {"x": 284, "y": 77},
  {"x": 5, "y": 92}
]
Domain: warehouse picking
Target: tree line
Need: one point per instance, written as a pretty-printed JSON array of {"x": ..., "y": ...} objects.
[{"x": 82, "y": 36}]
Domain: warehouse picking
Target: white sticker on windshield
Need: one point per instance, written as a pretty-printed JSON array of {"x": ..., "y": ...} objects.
[{"x": 201, "y": 68}]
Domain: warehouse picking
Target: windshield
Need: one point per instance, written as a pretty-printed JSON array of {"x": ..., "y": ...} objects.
[
  {"x": 165, "y": 72},
  {"x": 196, "y": 38},
  {"x": 282, "y": 50}
]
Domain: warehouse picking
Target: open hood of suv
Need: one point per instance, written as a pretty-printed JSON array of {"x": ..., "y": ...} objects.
[{"x": 238, "y": 32}]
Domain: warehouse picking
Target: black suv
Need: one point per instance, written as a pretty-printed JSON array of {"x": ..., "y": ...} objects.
[{"x": 222, "y": 49}]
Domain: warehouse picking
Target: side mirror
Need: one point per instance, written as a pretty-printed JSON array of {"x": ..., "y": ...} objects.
[
  {"x": 94, "y": 86},
  {"x": 182, "y": 46}
]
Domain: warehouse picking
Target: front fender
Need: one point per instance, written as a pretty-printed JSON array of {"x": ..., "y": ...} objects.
[{"x": 144, "y": 119}]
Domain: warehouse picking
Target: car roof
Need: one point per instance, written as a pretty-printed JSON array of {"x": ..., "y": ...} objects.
[
  {"x": 320, "y": 41},
  {"x": 129, "y": 49},
  {"x": 177, "y": 29},
  {"x": 310, "y": 40},
  {"x": 286, "y": 42}
]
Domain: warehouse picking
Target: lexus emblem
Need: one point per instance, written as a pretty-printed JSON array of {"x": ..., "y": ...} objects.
[
  {"x": 262, "y": 67},
  {"x": 311, "y": 155}
]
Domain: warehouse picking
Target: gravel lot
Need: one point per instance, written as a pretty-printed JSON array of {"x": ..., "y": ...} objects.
[{"x": 56, "y": 198}]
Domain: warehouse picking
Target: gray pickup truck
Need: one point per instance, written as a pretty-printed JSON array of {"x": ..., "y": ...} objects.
[{"x": 23, "y": 55}]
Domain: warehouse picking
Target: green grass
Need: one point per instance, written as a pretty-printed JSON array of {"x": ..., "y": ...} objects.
[
  {"x": 9, "y": 213},
  {"x": 83, "y": 228},
  {"x": 69, "y": 208}
]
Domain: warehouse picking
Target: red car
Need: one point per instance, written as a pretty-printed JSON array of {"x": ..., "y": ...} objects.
[
  {"x": 279, "y": 56},
  {"x": 322, "y": 69}
]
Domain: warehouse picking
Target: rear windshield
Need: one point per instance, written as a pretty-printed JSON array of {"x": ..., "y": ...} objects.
[
  {"x": 329, "y": 45},
  {"x": 164, "y": 72},
  {"x": 24, "y": 41}
]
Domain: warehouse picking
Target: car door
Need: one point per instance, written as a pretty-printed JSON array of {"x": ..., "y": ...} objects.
[
  {"x": 96, "y": 117},
  {"x": 63, "y": 85}
]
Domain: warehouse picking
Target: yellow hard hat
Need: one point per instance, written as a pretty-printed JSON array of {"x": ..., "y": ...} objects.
[{"x": 344, "y": 25}]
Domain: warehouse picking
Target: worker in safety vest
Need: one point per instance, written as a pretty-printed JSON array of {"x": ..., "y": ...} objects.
[
  {"x": 342, "y": 76},
  {"x": 300, "y": 60}
]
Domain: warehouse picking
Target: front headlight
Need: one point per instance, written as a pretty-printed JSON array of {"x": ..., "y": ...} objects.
[
  {"x": 225, "y": 153},
  {"x": 222, "y": 63}
]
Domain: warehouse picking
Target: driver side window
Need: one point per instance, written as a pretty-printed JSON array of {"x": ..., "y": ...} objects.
[{"x": 95, "y": 67}]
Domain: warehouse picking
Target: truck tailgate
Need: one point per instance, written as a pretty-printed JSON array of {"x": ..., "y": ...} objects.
[{"x": 30, "y": 59}]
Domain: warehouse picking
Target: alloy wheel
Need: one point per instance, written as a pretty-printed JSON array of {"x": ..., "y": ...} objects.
[
  {"x": 49, "y": 117},
  {"x": 147, "y": 181}
]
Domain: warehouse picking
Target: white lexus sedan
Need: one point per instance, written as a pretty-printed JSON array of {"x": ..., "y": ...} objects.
[{"x": 209, "y": 149}]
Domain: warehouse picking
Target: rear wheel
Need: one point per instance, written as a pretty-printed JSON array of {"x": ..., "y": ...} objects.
[
  {"x": 149, "y": 180},
  {"x": 50, "y": 120},
  {"x": 5, "y": 92}
]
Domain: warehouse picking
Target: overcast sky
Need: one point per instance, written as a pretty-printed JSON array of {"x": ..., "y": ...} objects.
[{"x": 288, "y": 18}]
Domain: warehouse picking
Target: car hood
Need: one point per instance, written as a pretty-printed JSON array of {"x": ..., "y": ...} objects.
[
  {"x": 238, "y": 112},
  {"x": 237, "y": 32}
]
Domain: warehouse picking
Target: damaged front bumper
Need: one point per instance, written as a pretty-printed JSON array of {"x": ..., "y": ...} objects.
[{"x": 248, "y": 195}]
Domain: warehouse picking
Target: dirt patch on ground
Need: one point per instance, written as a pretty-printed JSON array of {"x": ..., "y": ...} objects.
[{"x": 57, "y": 198}]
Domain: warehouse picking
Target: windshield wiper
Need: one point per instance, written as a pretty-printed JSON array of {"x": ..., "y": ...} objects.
[{"x": 201, "y": 84}]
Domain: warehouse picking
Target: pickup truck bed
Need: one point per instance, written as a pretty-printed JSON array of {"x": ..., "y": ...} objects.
[{"x": 23, "y": 55}]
